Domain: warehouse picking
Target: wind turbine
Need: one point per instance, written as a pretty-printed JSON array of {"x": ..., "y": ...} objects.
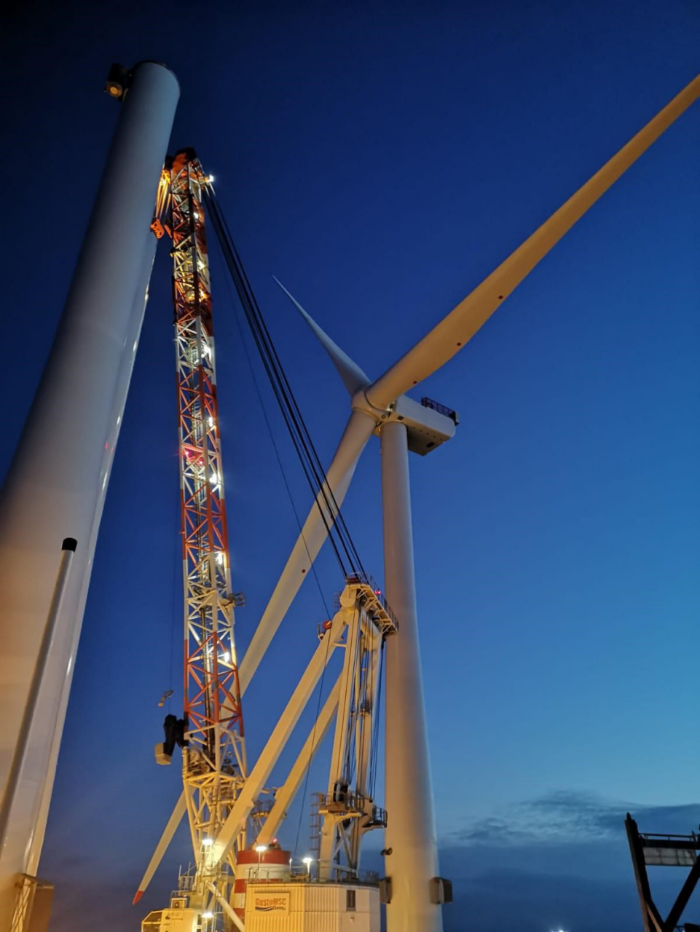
[{"x": 382, "y": 407}]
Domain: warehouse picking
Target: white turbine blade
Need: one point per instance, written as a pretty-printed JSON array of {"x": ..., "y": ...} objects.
[
  {"x": 357, "y": 432},
  {"x": 165, "y": 839},
  {"x": 460, "y": 325},
  {"x": 353, "y": 377}
]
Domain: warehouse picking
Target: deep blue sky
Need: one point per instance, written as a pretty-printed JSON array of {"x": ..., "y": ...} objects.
[{"x": 381, "y": 159}]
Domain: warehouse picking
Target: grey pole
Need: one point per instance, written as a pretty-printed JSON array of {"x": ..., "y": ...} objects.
[
  {"x": 58, "y": 477},
  {"x": 67, "y": 553}
]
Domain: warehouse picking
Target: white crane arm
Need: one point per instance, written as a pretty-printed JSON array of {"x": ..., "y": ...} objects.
[
  {"x": 286, "y": 793},
  {"x": 313, "y": 534},
  {"x": 161, "y": 847},
  {"x": 277, "y": 741}
]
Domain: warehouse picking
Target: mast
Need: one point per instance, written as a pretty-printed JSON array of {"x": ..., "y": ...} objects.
[
  {"x": 57, "y": 481},
  {"x": 224, "y": 800},
  {"x": 214, "y": 759}
]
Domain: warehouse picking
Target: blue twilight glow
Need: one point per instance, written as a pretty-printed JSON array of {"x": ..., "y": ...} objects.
[{"x": 381, "y": 159}]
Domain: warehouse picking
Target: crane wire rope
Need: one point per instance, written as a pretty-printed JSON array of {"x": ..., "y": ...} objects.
[
  {"x": 313, "y": 565},
  {"x": 279, "y": 383},
  {"x": 362, "y": 706},
  {"x": 307, "y": 769},
  {"x": 350, "y": 685},
  {"x": 375, "y": 737},
  {"x": 278, "y": 457},
  {"x": 278, "y": 392},
  {"x": 174, "y": 611},
  {"x": 331, "y": 515},
  {"x": 219, "y": 223}
]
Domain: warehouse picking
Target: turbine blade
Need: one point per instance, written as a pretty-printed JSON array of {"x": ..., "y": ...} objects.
[
  {"x": 161, "y": 847},
  {"x": 460, "y": 325},
  {"x": 313, "y": 534},
  {"x": 353, "y": 377}
]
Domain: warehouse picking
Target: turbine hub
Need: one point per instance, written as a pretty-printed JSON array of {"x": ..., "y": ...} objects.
[{"x": 429, "y": 423}]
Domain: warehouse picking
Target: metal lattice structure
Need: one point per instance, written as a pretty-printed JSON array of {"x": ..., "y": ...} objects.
[
  {"x": 214, "y": 763},
  {"x": 653, "y": 850}
]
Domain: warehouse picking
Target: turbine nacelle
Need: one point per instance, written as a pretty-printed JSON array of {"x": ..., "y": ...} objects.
[{"x": 428, "y": 423}]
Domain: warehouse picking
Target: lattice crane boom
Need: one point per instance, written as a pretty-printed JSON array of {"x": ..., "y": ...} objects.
[
  {"x": 224, "y": 800},
  {"x": 211, "y": 731}
]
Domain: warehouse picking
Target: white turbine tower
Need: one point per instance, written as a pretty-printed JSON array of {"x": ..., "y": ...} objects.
[{"x": 402, "y": 424}]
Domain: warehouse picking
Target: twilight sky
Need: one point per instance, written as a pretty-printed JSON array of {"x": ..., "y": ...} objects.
[{"x": 381, "y": 159}]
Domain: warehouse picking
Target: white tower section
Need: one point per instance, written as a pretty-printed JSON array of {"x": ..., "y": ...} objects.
[
  {"x": 58, "y": 478},
  {"x": 410, "y": 833}
]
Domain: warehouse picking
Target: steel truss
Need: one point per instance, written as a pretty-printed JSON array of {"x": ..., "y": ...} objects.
[
  {"x": 348, "y": 809},
  {"x": 224, "y": 800},
  {"x": 663, "y": 851},
  {"x": 361, "y": 609},
  {"x": 214, "y": 758}
]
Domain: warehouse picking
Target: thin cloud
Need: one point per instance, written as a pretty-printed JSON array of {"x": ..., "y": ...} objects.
[
  {"x": 558, "y": 861},
  {"x": 572, "y": 817}
]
